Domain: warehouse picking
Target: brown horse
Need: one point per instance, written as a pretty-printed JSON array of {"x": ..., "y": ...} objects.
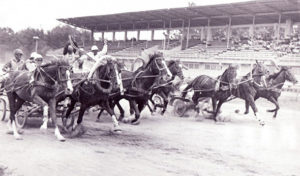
[
  {"x": 166, "y": 87},
  {"x": 273, "y": 90},
  {"x": 139, "y": 84},
  {"x": 48, "y": 79},
  {"x": 97, "y": 93},
  {"x": 249, "y": 85},
  {"x": 219, "y": 89}
]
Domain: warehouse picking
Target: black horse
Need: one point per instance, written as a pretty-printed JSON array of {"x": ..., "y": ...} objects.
[
  {"x": 95, "y": 92},
  {"x": 219, "y": 89},
  {"x": 249, "y": 85},
  {"x": 47, "y": 80},
  {"x": 138, "y": 85},
  {"x": 166, "y": 87},
  {"x": 273, "y": 90}
]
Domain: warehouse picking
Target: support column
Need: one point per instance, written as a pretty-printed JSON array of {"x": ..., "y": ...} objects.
[
  {"x": 209, "y": 34},
  {"x": 228, "y": 32},
  {"x": 252, "y": 28},
  {"x": 125, "y": 35},
  {"x": 202, "y": 35},
  {"x": 152, "y": 34},
  {"x": 138, "y": 35},
  {"x": 182, "y": 36},
  {"x": 114, "y": 36},
  {"x": 277, "y": 28},
  {"x": 188, "y": 34},
  {"x": 288, "y": 28},
  {"x": 103, "y": 35},
  {"x": 92, "y": 36}
]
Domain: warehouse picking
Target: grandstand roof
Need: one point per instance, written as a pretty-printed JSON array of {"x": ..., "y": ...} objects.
[{"x": 265, "y": 11}]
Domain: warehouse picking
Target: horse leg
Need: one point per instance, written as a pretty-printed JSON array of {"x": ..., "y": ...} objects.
[
  {"x": 38, "y": 100},
  {"x": 255, "y": 111},
  {"x": 99, "y": 114},
  {"x": 149, "y": 107},
  {"x": 220, "y": 102},
  {"x": 153, "y": 103},
  {"x": 14, "y": 107},
  {"x": 132, "y": 109},
  {"x": 78, "y": 126},
  {"x": 214, "y": 104},
  {"x": 52, "y": 112},
  {"x": 246, "y": 107},
  {"x": 71, "y": 106},
  {"x": 108, "y": 108},
  {"x": 122, "y": 112},
  {"x": 137, "y": 112},
  {"x": 275, "y": 102},
  {"x": 166, "y": 101}
]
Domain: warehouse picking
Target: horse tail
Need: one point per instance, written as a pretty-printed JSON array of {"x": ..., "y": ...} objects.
[{"x": 187, "y": 88}]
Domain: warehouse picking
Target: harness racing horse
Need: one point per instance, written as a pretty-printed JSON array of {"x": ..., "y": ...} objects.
[
  {"x": 273, "y": 90},
  {"x": 219, "y": 89},
  {"x": 249, "y": 85},
  {"x": 47, "y": 80},
  {"x": 166, "y": 87},
  {"x": 138, "y": 85},
  {"x": 95, "y": 92}
]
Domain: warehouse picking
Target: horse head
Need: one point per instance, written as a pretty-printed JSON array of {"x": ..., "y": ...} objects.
[
  {"x": 259, "y": 73},
  {"x": 107, "y": 76},
  {"x": 175, "y": 68},
  {"x": 288, "y": 75},
  {"x": 229, "y": 75},
  {"x": 157, "y": 65},
  {"x": 57, "y": 72}
]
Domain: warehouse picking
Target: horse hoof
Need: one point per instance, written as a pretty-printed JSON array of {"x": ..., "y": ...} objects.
[
  {"x": 61, "y": 139},
  {"x": 137, "y": 122},
  {"x": 125, "y": 120},
  {"x": 219, "y": 123},
  {"x": 78, "y": 131},
  {"x": 43, "y": 128},
  {"x": 18, "y": 137},
  {"x": 117, "y": 130},
  {"x": 10, "y": 132},
  {"x": 262, "y": 123},
  {"x": 97, "y": 120},
  {"x": 20, "y": 131},
  {"x": 237, "y": 111}
]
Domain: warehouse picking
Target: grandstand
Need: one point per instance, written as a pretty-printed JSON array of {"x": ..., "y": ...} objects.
[{"x": 213, "y": 44}]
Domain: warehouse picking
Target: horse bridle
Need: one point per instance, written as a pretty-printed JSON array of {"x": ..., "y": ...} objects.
[{"x": 58, "y": 72}]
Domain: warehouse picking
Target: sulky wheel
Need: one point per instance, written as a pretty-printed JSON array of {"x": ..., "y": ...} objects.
[
  {"x": 179, "y": 107},
  {"x": 157, "y": 99},
  {"x": 2, "y": 109},
  {"x": 21, "y": 117}
]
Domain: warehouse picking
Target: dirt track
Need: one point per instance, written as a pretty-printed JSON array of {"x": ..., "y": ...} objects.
[{"x": 162, "y": 146}]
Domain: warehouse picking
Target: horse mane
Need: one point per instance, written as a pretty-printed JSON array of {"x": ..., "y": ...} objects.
[
  {"x": 171, "y": 62},
  {"x": 225, "y": 72},
  {"x": 152, "y": 57}
]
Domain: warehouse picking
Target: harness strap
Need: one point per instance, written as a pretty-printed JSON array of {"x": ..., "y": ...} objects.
[{"x": 49, "y": 86}]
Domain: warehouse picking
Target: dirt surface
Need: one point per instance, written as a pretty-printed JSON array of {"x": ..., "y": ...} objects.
[{"x": 166, "y": 145}]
